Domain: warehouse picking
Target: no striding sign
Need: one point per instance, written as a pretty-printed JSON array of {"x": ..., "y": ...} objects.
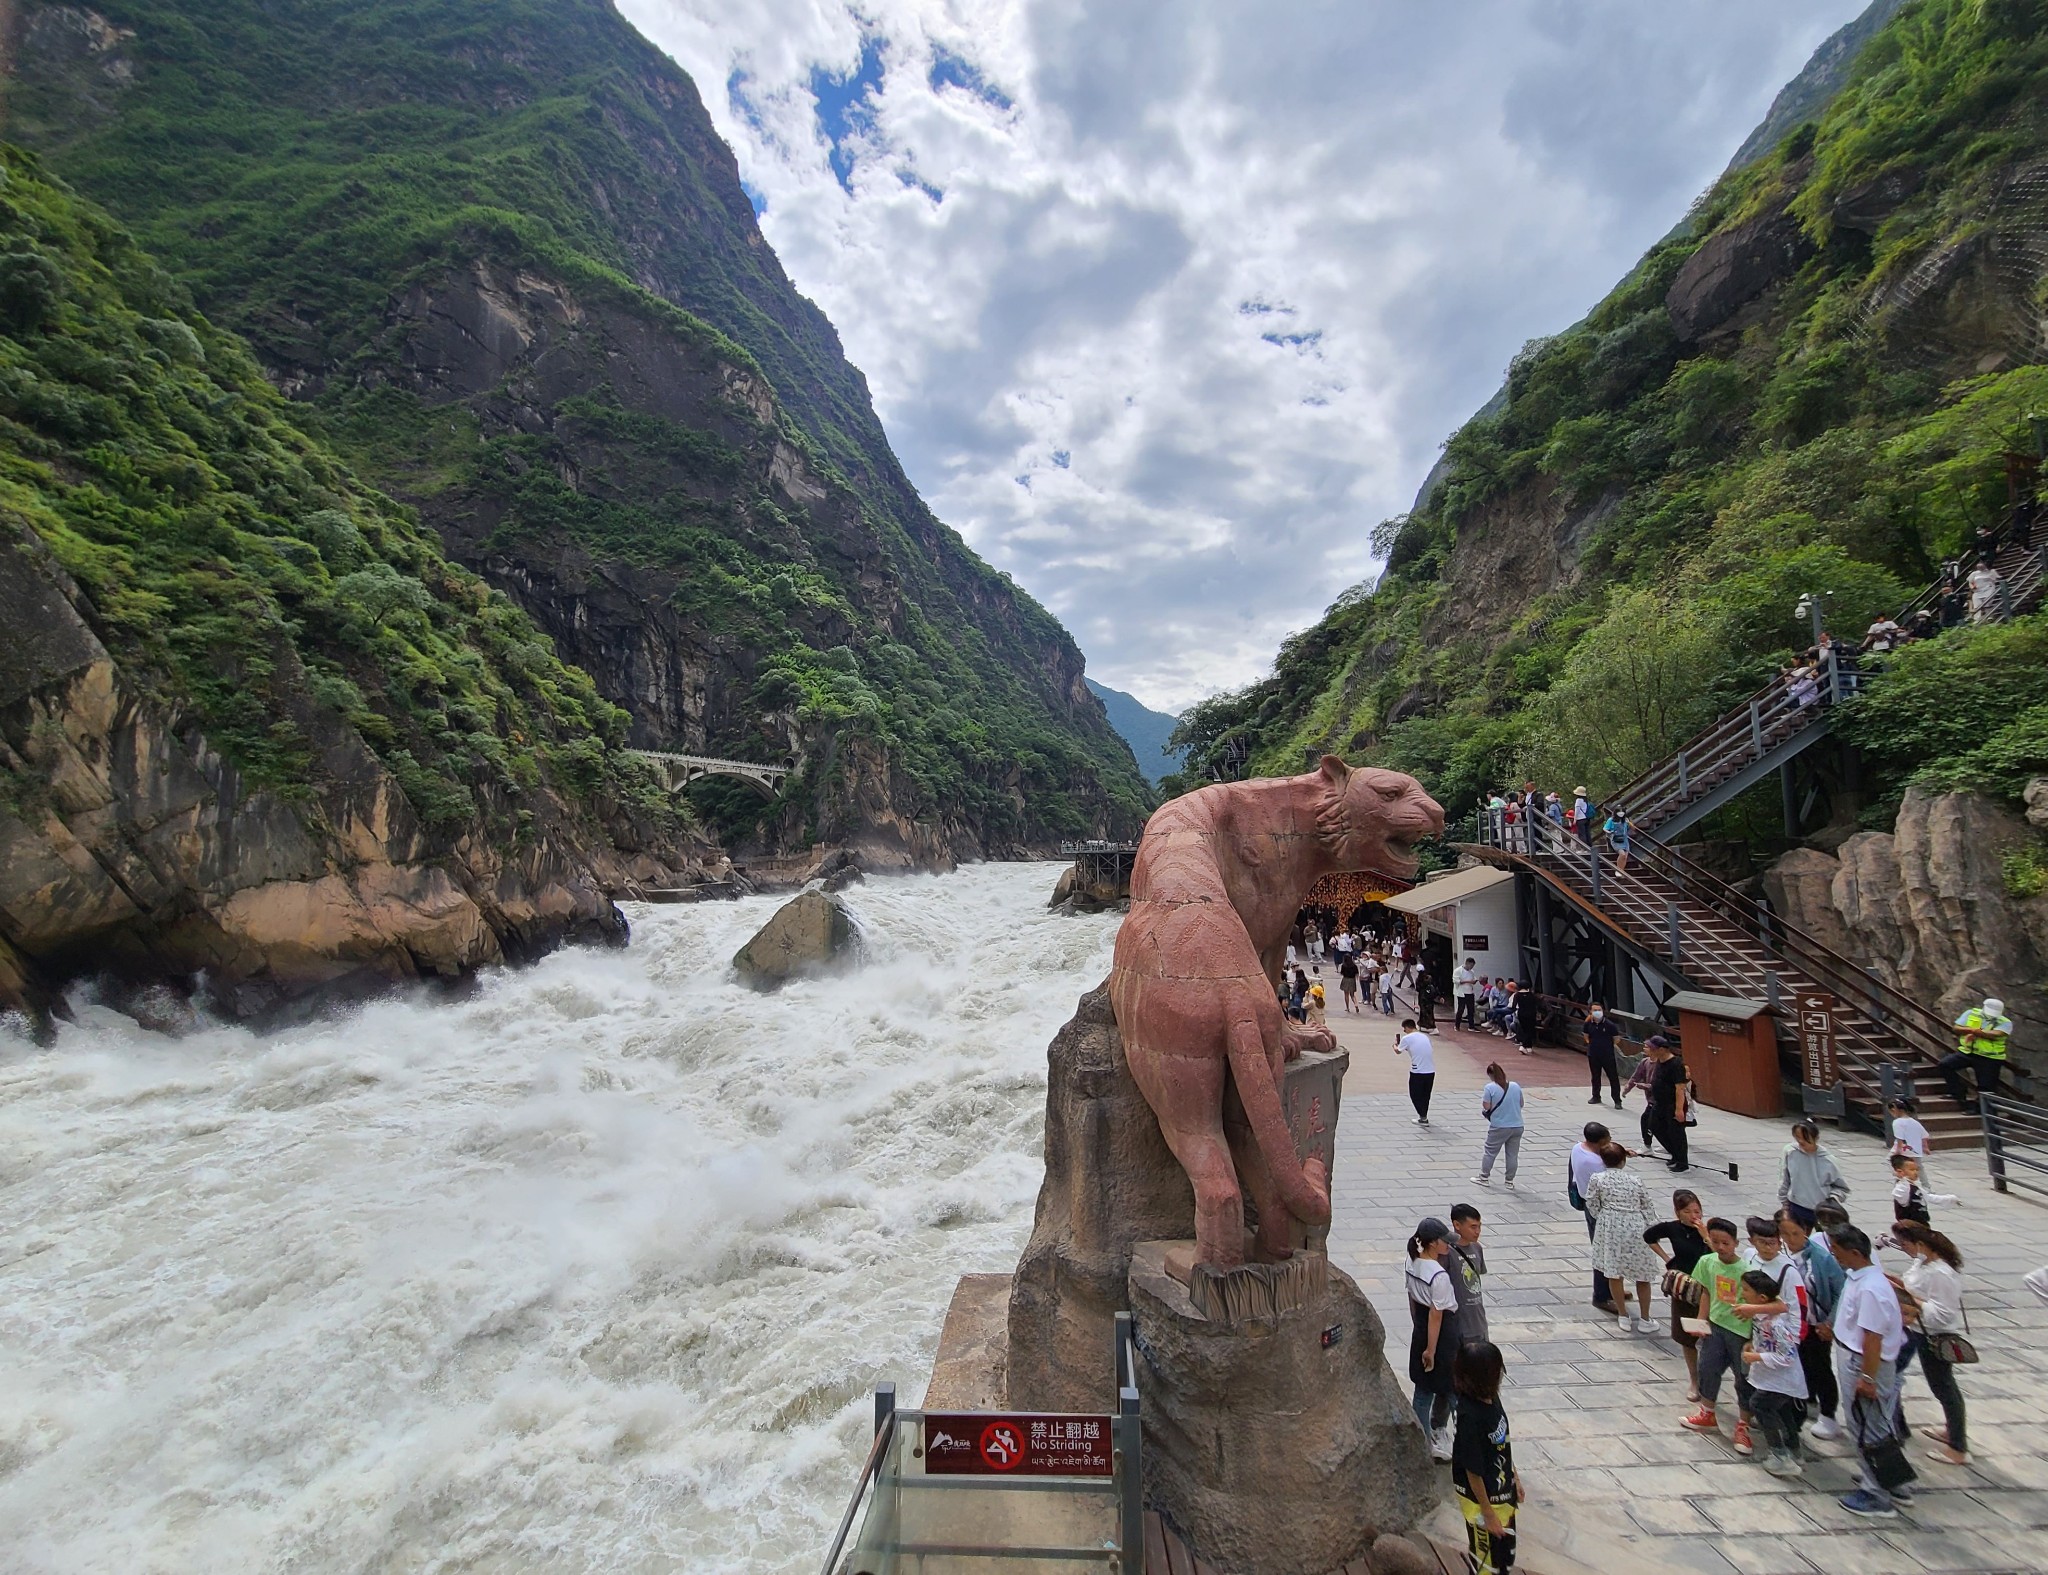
[{"x": 1023, "y": 1444}]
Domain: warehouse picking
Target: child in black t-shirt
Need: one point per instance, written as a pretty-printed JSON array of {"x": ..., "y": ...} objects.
[{"x": 1483, "y": 1461}]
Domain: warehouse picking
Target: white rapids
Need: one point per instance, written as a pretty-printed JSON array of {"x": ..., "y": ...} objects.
[{"x": 593, "y": 1270}]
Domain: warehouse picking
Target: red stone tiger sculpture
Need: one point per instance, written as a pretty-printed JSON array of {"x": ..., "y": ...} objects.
[{"x": 1217, "y": 882}]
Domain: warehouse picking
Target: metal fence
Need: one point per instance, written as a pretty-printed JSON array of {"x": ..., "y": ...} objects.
[{"x": 2015, "y": 1144}]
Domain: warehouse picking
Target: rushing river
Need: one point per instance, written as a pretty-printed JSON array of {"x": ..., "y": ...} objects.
[{"x": 593, "y": 1270}]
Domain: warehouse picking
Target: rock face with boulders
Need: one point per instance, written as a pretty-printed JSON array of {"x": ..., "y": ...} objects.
[
  {"x": 1925, "y": 906},
  {"x": 810, "y": 934},
  {"x": 130, "y": 849}
]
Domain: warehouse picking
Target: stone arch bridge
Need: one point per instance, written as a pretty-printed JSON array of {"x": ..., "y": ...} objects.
[{"x": 679, "y": 771}]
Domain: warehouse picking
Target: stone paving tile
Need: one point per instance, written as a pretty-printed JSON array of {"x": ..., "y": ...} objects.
[
  {"x": 1596, "y": 1414},
  {"x": 1762, "y": 1556},
  {"x": 1965, "y": 1551}
]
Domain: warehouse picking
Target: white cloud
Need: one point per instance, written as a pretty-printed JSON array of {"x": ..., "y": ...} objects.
[{"x": 1165, "y": 303}]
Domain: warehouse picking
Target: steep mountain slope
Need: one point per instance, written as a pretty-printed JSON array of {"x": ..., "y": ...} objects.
[
  {"x": 501, "y": 250},
  {"x": 1813, "y": 387},
  {"x": 1144, "y": 729},
  {"x": 252, "y": 721}
]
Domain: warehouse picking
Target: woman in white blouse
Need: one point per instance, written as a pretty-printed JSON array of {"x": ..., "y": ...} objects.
[{"x": 1933, "y": 1305}]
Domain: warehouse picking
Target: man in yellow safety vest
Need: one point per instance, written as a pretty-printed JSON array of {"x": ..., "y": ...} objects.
[{"x": 1982, "y": 1032}]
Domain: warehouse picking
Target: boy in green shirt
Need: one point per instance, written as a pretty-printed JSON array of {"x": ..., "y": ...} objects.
[{"x": 1720, "y": 1273}]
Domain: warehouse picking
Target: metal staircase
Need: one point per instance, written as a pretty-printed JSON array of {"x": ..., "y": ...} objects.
[
  {"x": 1772, "y": 727},
  {"x": 1691, "y": 926}
]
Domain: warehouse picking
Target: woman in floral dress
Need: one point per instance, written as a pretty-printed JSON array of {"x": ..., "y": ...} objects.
[{"x": 1620, "y": 1207}]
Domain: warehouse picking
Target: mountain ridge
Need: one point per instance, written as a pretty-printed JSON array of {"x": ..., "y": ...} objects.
[
  {"x": 441, "y": 227},
  {"x": 1819, "y": 385}
]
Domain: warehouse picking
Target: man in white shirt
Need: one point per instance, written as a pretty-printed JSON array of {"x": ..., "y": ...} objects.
[
  {"x": 1869, "y": 1334},
  {"x": 1985, "y": 585},
  {"x": 1585, "y": 1163},
  {"x": 1421, "y": 1067},
  {"x": 1883, "y": 633},
  {"x": 1467, "y": 982}
]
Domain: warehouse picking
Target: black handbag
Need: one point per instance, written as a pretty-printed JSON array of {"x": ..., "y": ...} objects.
[{"x": 1885, "y": 1455}]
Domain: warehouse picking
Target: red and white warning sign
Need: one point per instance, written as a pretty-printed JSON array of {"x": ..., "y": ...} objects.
[{"x": 983, "y": 1443}]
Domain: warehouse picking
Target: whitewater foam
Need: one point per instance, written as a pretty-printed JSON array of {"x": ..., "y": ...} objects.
[{"x": 593, "y": 1270}]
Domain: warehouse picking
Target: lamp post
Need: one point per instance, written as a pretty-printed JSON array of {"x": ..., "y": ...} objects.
[{"x": 1809, "y": 606}]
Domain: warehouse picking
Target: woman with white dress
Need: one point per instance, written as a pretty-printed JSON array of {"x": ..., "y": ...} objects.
[{"x": 1619, "y": 1205}]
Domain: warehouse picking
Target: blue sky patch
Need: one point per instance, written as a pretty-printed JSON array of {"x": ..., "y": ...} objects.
[
  {"x": 1306, "y": 341},
  {"x": 846, "y": 110},
  {"x": 956, "y": 71},
  {"x": 1063, "y": 458}
]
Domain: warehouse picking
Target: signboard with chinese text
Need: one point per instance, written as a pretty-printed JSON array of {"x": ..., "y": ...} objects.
[
  {"x": 1020, "y": 1444},
  {"x": 1817, "y": 1061}
]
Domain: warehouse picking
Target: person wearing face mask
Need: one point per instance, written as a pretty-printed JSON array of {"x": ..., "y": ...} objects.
[{"x": 1600, "y": 1055}]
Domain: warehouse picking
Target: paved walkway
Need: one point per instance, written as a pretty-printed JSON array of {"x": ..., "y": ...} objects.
[{"x": 1596, "y": 1415}]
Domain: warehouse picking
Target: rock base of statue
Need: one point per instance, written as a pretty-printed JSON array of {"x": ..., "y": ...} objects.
[{"x": 1277, "y": 1439}]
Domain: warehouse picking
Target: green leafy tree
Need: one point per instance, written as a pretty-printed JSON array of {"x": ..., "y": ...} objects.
[{"x": 1636, "y": 685}]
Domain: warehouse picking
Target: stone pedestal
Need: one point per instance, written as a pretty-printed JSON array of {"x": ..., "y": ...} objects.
[
  {"x": 1280, "y": 1442},
  {"x": 1110, "y": 1182}
]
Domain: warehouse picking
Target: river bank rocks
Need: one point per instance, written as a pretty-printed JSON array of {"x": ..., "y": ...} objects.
[
  {"x": 1925, "y": 906},
  {"x": 810, "y": 934},
  {"x": 130, "y": 849}
]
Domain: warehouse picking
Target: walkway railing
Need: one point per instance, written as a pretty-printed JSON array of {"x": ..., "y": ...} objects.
[
  {"x": 998, "y": 1490},
  {"x": 1704, "y": 932},
  {"x": 1782, "y": 719},
  {"x": 2015, "y": 1144}
]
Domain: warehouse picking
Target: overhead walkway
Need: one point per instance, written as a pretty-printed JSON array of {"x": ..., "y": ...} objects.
[
  {"x": 1681, "y": 923},
  {"x": 1772, "y": 728}
]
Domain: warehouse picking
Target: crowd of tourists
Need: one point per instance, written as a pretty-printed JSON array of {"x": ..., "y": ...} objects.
[{"x": 1813, "y": 1319}]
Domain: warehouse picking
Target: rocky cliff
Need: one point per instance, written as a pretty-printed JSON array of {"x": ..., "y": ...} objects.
[
  {"x": 254, "y": 729},
  {"x": 1926, "y": 907},
  {"x": 502, "y": 253}
]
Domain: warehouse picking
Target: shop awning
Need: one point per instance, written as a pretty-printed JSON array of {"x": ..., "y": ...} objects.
[{"x": 1447, "y": 889}]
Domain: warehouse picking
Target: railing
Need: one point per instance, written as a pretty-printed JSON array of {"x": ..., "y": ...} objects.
[
  {"x": 1737, "y": 944},
  {"x": 1773, "y": 716},
  {"x": 918, "y": 1518},
  {"x": 2015, "y": 1144},
  {"x": 885, "y": 1435}
]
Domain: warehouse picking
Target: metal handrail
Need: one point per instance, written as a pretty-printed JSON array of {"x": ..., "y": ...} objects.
[
  {"x": 1844, "y": 977},
  {"x": 1668, "y": 784},
  {"x": 1860, "y": 1054},
  {"x": 885, "y": 1433}
]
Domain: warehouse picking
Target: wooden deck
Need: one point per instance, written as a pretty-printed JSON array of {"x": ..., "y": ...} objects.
[{"x": 1166, "y": 1554}]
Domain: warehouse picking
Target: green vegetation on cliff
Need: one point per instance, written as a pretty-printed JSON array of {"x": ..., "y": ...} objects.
[
  {"x": 1812, "y": 388},
  {"x": 374, "y": 194},
  {"x": 237, "y": 570}
]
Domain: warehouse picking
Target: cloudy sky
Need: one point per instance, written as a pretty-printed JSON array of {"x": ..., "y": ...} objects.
[{"x": 1165, "y": 303}]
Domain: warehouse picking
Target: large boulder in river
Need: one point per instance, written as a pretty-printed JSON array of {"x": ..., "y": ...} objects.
[{"x": 810, "y": 934}]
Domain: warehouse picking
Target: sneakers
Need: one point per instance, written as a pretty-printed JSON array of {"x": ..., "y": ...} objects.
[
  {"x": 1482, "y": 1181},
  {"x": 1869, "y": 1505},
  {"x": 1509, "y": 1183},
  {"x": 1440, "y": 1445},
  {"x": 1783, "y": 1463},
  {"x": 1827, "y": 1427},
  {"x": 1621, "y": 1326},
  {"x": 1646, "y": 1326},
  {"x": 1743, "y": 1446},
  {"x": 1703, "y": 1420},
  {"x": 1422, "y": 1121}
]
